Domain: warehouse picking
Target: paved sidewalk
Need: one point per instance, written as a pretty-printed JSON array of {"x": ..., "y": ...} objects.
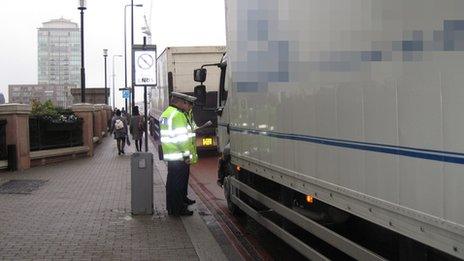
[{"x": 82, "y": 212}]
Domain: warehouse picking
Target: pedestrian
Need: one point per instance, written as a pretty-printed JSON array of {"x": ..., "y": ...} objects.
[
  {"x": 136, "y": 128},
  {"x": 119, "y": 128},
  {"x": 179, "y": 150}
]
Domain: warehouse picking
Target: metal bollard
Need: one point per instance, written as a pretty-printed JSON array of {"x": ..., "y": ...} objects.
[{"x": 142, "y": 183}]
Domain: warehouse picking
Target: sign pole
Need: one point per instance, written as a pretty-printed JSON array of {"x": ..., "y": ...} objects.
[
  {"x": 145, "y": 76},
  {"x": 145, "y": 116}
]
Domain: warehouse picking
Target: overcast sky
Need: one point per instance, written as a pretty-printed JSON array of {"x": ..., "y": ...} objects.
[{"x": 173, "y": 23}]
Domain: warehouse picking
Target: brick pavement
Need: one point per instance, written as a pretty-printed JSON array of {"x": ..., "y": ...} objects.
[{"x": 83, "y": 213}]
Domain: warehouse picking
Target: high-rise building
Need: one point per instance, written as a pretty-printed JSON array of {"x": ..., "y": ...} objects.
[{"x": 59, "y": 53}]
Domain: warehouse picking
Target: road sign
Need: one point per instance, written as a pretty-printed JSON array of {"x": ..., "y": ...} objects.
[
  {"x": 126, "y": 94},
  {"x": 145, "y": 65}
]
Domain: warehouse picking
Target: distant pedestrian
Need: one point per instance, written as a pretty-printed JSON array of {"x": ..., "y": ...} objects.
[
  {"x": 136, "y": 128},
  {"x": 126, "y": 116},
  {"x": 119, "y": 128}
]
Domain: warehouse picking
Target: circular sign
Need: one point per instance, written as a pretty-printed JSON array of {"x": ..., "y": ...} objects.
[{"x": 145, "y": 61}]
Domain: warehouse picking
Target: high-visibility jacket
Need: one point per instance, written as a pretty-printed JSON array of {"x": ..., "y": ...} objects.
[{"x": 177, "y": 135}]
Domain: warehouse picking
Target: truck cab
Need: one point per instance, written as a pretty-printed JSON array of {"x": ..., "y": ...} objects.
[
  {"x": 221, "y": 110},
  {"x": 174, "y": 69}
]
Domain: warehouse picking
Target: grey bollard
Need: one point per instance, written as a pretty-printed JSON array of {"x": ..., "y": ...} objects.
[{"x": 142, "y": 183}]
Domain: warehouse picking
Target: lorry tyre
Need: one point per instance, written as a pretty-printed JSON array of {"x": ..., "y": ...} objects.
[
  {"x": 286, "y": 198},
  {"x": 234, "y": 209},
  {"x": 337, "y": 216}
]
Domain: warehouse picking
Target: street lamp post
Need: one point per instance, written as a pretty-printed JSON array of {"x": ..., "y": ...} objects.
[
  {"x": 114, "y": 75},
  {"x": 105, "y": 55},
  {"x": 82, "y": 7},
  {"x": 125, "y": 47},
  {"x": 132, "y": 52}
]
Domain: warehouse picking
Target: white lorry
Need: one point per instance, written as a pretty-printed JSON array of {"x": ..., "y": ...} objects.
[
  {"x": 342, "y": 110},
  {"x": 174, "y": 68}
]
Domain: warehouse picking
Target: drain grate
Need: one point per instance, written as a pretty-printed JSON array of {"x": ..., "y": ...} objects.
[{"x": 23, "y": 186}]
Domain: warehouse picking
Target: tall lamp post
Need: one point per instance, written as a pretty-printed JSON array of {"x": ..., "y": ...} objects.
[
  {"x": 132, "y": 51},
  {"x": 105, "y": 55},
  {"x": 82, "y": 7},
  {"x": 125, "y": 47},
  {"x": 114, "y": 75}
]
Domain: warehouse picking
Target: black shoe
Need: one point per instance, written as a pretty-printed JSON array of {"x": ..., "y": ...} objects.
[
  {"x": 122, "y": 151},
  {"x": 190, "y": 201},
  {"x": 119, "y": 152},
  {"x": 186, "y": 212}
]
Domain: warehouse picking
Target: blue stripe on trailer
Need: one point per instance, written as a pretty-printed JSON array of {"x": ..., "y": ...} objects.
[{"x": 435, "y": 155}]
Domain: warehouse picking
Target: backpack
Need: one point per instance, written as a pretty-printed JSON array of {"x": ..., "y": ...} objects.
[{"x": 118, "y": 124}]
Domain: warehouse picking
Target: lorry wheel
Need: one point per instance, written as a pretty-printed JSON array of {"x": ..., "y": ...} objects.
[
  {"x": 337, "y": 216},
  {"x": 286, "y": 198},
  {"x": 236, "y": 211}
]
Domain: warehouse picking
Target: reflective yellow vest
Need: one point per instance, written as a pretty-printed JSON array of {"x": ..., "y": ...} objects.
[{"x": 177, "y": 135}]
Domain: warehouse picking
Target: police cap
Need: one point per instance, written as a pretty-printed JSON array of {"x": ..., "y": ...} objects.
[{"x": 184, "y": 97}]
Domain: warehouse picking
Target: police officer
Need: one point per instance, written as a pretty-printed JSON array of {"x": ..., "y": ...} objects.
[{"x": 179, "y": 150}]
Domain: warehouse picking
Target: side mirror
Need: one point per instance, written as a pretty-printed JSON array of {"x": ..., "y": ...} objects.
[
  {"x": 199, "y": 75},
  {"x": 219, "y": 111},
  {"x": 200, "y": 93}
]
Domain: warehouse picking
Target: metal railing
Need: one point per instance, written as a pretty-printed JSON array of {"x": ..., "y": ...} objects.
[
  {"x": 94, "y": 121},
  {"x": 47, "y": 134},
  {"x": 3, "y": 147}
]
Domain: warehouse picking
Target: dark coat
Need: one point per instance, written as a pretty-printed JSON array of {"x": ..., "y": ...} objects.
[{"x": 136, "y": 127}]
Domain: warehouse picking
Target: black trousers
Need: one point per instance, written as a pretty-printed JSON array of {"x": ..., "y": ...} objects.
[
  {"x": 176, "y": 186},
  {"x": 186, "y": 184}
]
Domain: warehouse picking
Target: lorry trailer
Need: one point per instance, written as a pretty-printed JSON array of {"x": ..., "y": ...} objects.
[{"x": 346, "y": 112}]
